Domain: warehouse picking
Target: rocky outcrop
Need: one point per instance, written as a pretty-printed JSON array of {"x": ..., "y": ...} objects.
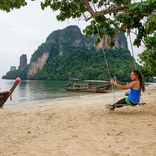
[
  {"x": 12, "y": 68},
  {"x": 120, "y": 42},
  {"x": 70, "y": 36},
  {"x": 37, "y": 65},
  {"x": 23, "y": 63}
]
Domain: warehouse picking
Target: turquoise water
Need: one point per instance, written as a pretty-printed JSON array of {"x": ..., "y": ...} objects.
[{"x": 35, "y": 91}]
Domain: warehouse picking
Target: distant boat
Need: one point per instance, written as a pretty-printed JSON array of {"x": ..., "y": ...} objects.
[
  {"x": 6, "y": 94},
  {"x": 75, "y": 86}
]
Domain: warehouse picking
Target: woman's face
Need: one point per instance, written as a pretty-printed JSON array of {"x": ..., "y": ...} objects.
[{"x": 134, "y": 76}]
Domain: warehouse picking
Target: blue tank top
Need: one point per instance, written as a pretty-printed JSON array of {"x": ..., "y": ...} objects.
[{"x": 134, "y": 95}]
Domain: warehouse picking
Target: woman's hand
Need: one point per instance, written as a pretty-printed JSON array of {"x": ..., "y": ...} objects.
[
  {"x": 112, "y": 81},
  {"x": 129, "y": 85}
]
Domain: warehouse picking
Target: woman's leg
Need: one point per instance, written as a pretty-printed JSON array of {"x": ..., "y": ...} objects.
[{"x": 119, "y": 103}]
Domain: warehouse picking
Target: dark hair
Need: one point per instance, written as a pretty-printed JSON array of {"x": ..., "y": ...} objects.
[{"x": 140, "y": 77}]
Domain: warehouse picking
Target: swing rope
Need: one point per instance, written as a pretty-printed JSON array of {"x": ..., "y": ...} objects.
[
  {"x": 132, "y": 50},
  {"x": 107, "y": 65},
  {"x": 104, "y": 54}
]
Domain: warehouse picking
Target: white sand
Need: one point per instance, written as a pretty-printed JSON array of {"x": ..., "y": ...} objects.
[{"x": 80, "y": 127}]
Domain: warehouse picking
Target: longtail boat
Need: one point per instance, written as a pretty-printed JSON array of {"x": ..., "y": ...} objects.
[
  {"x": 75, "y": 86},
  {"x": 6, "y": 94}
]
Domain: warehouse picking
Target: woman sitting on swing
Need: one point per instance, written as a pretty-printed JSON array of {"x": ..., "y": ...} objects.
[{"x": 135, "y": 87}]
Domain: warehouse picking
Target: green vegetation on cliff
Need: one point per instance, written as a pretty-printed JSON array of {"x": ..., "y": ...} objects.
[
  {"x": 148, "y": 57},
  {"x": 14, "y": 74},
  {"x": 87, "y": 64}
]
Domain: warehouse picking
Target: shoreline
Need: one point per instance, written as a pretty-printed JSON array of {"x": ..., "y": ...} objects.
[
  {"x": 82, "y": 95},
  {"x": 80, "y": 126},
  {"x": 22, "y": 97}
]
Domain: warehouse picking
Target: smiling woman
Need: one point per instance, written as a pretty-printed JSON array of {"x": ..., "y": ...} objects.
[{"x": 135, "y": 87}]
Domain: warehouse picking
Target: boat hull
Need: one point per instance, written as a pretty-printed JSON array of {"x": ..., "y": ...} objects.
[
  {"x": 6, "y": 94},
  {"x": 100, "y": 89}
]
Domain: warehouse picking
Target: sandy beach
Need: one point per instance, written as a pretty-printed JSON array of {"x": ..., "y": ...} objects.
[{"x": 80, "y": 126}]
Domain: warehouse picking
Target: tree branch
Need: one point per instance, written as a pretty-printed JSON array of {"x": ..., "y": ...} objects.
[{"x": 103, "y": 12}]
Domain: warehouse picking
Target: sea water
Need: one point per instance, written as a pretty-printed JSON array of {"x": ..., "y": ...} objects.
[{"x": 37, "y": 91}]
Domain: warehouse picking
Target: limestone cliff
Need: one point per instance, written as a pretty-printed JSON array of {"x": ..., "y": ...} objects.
[
  {"x": 23, "y": 63},
  {"x": 37, "y": 65},
  {"x": 70, "y": 36},
  {"x": 120, "y": 42}
]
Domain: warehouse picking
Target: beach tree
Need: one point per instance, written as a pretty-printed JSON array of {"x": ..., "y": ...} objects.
[
  {"x": 9, "y": 5},
  {"x": 114, "y": 16},
  {"x": 148, "y": 56}
]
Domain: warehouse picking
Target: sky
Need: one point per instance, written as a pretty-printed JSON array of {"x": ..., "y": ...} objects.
[{"x": 23, "y": 30}]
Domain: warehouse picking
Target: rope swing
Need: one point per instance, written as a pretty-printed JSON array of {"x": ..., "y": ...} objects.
[
  {"x": 132, "y": 49},
  {"x": 107, "y": 65},
  {"x": 105, "y": 58},
  {"x": 104, "y": 54}
]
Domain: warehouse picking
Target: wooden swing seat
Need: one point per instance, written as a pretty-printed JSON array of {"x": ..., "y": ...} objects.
[{"x": 139, "y": 104}]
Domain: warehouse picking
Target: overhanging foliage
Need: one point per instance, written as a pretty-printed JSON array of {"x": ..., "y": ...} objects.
[{"x": 114, "y": 16}]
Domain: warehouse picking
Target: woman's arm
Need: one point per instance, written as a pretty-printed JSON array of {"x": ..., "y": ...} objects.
[{"x": 130, "y": 85}]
